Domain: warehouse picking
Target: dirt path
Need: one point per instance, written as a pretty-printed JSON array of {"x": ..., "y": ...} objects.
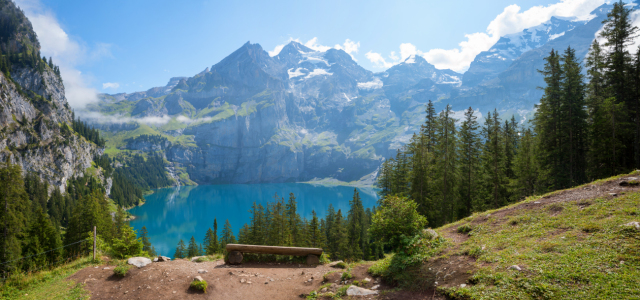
[{"x": 170, "y": 280}]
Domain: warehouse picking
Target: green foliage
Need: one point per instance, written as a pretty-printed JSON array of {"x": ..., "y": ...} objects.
[
  {"x": 341, "y": 265},
  {"x": 346, "y": 275},
  {"x": 199, "y": 285},
  {"x": 464, "y": 229},
  {"x": 181, "y": 250},
  {"x": 88, "y": 132},
  {"x": 127, "y": 244},
  {"x": 121, "y": 270},
  {"x": 396, "y": 219}
]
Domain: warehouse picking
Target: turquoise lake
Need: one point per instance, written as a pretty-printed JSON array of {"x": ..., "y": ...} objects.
[{"x": 171, "y": 214}]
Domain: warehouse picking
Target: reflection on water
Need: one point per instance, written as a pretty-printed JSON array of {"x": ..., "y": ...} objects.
[{"x": 172, "y": 214}]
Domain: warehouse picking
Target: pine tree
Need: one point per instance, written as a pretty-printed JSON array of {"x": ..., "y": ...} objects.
[
  {"x": 127, "y": 244},
  {"x": 12, "y": 219},
  {"x": 494, "y": 180},
  {"x": 144, "y": 237},
  {"x": 210, "y": 242},
  {"x": 340, "y": 236},
  {"x": 315, "y": 235},
  {"x": 293, "y": 222},
  {"x": 573, "y": 121},
  {"x": 355, "y": 221},
  {"x": 193, "y": 249},
  {"x": 469, "y": 161},
  {"x": 181, "y": 250},
  {"x": 618, "y": 33},
  {"x": 525, "y": 168},
  {"x": 227, "y": 236},
  {"x": 446, "y": 156},
  {"x": 547, "y": 121}
]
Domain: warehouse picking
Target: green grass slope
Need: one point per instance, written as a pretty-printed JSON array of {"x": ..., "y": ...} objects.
[{"x": 570, "y": 244}]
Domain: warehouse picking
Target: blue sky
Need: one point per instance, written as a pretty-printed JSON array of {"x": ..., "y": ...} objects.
[{"x": 126, "y": 46}]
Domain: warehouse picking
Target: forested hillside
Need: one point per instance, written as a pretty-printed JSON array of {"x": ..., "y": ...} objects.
[{"x": 583, "y": 129}]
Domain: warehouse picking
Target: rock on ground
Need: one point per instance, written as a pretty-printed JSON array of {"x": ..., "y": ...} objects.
[
  {"x": 139, "y": 261},
  {"x": 358, "y": 291}
]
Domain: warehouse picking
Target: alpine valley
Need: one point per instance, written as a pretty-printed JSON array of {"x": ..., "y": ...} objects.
[{"x": 305, "y": 115}]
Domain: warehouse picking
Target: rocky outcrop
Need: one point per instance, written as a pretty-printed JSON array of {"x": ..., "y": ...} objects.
[{"x": 35, "y": 118}]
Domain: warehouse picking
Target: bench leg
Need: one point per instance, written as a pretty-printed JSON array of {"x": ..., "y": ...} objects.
[
  {"x": 312, "y": 260},
  {"x": 235, "y": 257}
]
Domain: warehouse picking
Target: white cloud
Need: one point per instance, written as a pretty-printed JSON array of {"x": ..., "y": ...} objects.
[
  {"x": 378, "y": 60},
  {"x": 511, "y": 20},
  {"x": 317, "y": 72},
  {"x": 66, "y": 52},
  {"x": 376, "y": 83},
  {"x": 110, "y": 85},
  {"x": 348, "y": 46}
]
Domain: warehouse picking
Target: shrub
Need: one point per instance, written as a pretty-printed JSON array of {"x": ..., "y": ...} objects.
[
  {"x": 464, "y": 229},
  {"x": 397, "y": 217},
  {"x": 199, "y": 285},
  {"x": 341, "y": 265},
  {"x": 346, "y": 275},
  {"x": 324, "y": 258},
  {"x": 121, "y": 270}
]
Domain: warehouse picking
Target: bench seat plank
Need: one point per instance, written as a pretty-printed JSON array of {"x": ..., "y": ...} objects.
[{"x": 297, "y": 251}]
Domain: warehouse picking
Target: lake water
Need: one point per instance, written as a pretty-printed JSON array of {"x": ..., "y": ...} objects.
[{"x": 171, "y": 214}]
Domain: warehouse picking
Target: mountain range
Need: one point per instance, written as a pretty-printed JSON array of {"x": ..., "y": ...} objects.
[{"x": 306, "y": 115}]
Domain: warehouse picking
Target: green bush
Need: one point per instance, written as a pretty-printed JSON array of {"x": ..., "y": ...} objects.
[
  {"x": 324, "y": 259},
  {"x": 464, "y": 229},
  {"x": 121, "y": 270},
  {"x": 341, "y": 265},
  {"x": 396, "y": 219},
  {"x": 346, "y": 275},
  {"x": 199, "y": 285}
]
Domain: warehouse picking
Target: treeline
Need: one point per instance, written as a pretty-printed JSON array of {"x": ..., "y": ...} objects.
[
  {"x": 123, "y": 191},
  {"x": 342, "y": 235},
  {"x": 581, "y": 131},
  {"x": 88, "y": 132},
  {"x": 148, "y": 138},
  {"x": 36, "y": 226},
  {"x": 146, "y": 174}
]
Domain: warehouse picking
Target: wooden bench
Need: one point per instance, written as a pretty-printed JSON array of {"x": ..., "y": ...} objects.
[{"x": 236, "y": 250}]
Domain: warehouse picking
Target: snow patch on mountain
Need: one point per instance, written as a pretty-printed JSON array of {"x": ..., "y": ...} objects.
[{"x": 295, "y": 73}]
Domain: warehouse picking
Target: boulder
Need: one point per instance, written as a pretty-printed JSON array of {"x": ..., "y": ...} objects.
[
  {"x": 195, "y": 258},
  {"x": 334, "y": 264},
  {"x": 430, "y": 234},
  {"x": 139, "y": 261},
  {"x": 358, "y": 291},
  {"x": 161, "y": 258},
  {"x": 198, "y": 278}
]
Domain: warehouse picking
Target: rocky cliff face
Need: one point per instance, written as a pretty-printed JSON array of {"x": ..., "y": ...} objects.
[{"x": 34, "y": 112}]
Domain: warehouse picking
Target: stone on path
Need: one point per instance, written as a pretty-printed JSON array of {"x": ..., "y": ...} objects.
[
  {"x": 358, "y": 291},
  {"x": 198, "y": 278},
  {"x": 161, "y": 258},
  {"x": 139, "y": 261},
  {"x": 334, "y": 263},
  {"x": 202, "y": 271},
  {"x": 375, "y": 287}
]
